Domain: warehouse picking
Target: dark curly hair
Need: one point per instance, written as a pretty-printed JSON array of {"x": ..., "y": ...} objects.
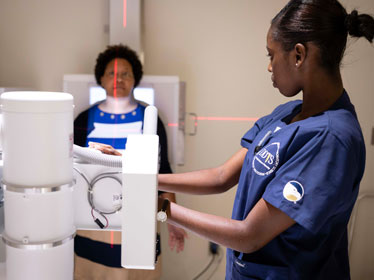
[
  {"x": 118, "y": 51},
  {"x": 323, "y": 22}
]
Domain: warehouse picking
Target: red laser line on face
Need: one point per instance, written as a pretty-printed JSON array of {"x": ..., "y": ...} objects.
[
  {"x": 124, "y": 13},
  {"x": 115, "y": 79}
]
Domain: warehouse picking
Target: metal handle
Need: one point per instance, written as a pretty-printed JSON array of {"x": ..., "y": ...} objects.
[{"x": 194, "y": 116}]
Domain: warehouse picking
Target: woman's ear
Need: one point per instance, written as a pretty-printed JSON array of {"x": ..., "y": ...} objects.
[{"x": 300, "y": 54}]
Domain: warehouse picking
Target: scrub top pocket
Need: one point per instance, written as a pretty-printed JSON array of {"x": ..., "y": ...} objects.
[{"x": 245, "y": 270}]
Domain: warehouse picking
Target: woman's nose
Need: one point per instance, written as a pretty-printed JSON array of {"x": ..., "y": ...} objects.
[{"x": 270, "y": 68}]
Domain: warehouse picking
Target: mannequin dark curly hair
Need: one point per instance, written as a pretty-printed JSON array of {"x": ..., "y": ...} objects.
[{"x": 118, "y": 51}]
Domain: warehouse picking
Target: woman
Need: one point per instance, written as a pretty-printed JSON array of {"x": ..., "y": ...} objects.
[
  {"x": 299, "y": 168},
  {"x": 118, "y": 70}
]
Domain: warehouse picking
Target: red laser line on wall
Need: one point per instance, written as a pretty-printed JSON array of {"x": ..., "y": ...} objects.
[{"x": 233, "y": 119}]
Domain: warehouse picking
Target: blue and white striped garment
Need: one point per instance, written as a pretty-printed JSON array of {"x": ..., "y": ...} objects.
[{"x": 113, "y": 129}]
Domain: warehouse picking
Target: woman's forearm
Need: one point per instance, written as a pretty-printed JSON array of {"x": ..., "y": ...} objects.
[
  {"x": 196, "y": 182},
  {"x": 262, "y": 224},
  {"x": 207, "y": 181}
]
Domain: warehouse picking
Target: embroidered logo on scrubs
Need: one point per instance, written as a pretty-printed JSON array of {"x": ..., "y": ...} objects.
[
  {"x": 266, "y": 160},
  {"x": 293, "y": 191}
]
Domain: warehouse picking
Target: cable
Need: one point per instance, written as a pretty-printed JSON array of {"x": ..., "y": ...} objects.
[
  {"x": 83, "y": 176},
  {"x": 92, "y": 185},
  {"x": 216, "y": 255},
  {"x": 205, "y": 269},
  {"x": 98, "y": 222},
  {"x": 90, "y": 199},
  {"x": 220, "y": 255}
]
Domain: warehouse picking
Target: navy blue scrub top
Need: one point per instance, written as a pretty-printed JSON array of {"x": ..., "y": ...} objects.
[{"x": 310, "y": 170}]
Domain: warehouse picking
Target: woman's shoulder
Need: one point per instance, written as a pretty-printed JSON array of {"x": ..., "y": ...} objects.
[
  {"x": 90, "y": 109},
  {"x": 337, "y": 127},
  {"x": 142, "y": 105},
  {"x": 345, "y": 127}
]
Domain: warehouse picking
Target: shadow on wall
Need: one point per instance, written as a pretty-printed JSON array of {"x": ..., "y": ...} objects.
[{"x": 361, "y": 232}]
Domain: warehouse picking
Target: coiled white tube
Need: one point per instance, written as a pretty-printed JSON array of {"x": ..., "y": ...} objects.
[{"x": 96, "y": 157}]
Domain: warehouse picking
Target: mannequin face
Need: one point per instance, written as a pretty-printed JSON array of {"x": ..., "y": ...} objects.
[{"x": 118, "y": 79}]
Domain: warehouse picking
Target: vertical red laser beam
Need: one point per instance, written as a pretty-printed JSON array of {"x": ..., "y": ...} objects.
[
  {"x": 115, "y": 79},
  {"x": 124, "y": 13},
  {"x": 111, "y": 239}
]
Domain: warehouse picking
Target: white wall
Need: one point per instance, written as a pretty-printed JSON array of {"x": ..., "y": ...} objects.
[
  {"x": 358, "y": 69},
  {"x": 40, "y": 40},
  {"x": 216, "y": 46}
]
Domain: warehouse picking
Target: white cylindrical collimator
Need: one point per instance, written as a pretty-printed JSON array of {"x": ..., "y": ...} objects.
[
  {"x": 38, "y": 177},
  {"x": 39, "y": 217},
  {"x": 30, "y": 262},
  {"x": 37, "y": 138},
  {"x": 150, "y": 120}
]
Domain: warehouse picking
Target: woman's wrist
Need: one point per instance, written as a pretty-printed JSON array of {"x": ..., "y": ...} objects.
[{"x": 164, "y": 210}]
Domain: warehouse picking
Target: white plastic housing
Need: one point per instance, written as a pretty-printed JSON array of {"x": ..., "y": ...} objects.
[
  {"x": 139, "y": 201},
  {"x": 55, "y": 263},
  {"x": 150, "y": 120},
  {"x": 37, "y": 138},
  {"x": 39, "y": 217},
  {"x": 38, "y": 173}
]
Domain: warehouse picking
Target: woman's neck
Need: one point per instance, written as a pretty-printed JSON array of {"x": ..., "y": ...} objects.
[
  {"x": 319, "y": 95},
  {"x": 118, "y": 105}
]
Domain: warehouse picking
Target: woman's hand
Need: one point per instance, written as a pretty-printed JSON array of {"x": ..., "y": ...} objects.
[
  {"x": 176, "y": 234},
  {"x": 176, "y": 238},
  {"x": 106, "y": 149}
]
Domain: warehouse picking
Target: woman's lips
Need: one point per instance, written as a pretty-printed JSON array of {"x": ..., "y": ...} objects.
[{"x": 272, "y": 79}]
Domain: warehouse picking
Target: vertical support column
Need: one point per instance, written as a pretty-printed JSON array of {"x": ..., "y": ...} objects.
[
  {"x": 125, "y": 24},
  {"x": 38, "y": 178}
]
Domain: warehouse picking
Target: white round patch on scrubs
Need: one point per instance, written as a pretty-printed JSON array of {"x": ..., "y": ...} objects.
[
  {"x": 293, "y": 191},
  {"x": 266, "y": 160}
]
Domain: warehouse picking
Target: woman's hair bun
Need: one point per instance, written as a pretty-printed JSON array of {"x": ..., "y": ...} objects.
[{"x": 360, "y": 25}]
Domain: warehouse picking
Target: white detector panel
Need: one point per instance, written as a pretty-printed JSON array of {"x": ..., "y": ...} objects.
[
  {"x": 139, "y": 202},
  {"x": 167, "y": 93}
]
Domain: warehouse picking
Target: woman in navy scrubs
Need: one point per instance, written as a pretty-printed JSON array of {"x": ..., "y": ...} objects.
[{"x": 299, "y": 168}]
